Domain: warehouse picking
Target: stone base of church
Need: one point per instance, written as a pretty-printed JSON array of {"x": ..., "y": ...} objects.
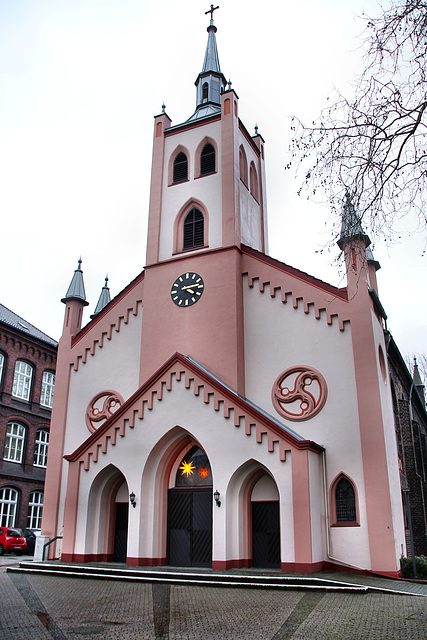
[{"x": 226, "y": 565}]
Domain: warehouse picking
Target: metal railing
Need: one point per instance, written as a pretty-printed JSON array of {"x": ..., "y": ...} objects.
[{"x": 49, "y": 543}]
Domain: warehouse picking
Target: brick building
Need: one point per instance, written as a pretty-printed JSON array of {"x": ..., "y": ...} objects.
[
  {"x": 27, "y": 377},
  {"x": 411, "y": 434}
]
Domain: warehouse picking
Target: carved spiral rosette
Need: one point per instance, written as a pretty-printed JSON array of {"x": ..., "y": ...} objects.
[
  {"x": 101, "y": 408},
  {"x": 299, "y": 393}
]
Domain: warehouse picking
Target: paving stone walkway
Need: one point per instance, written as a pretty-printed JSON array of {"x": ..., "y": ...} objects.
[{"x": 45, "y": 607}]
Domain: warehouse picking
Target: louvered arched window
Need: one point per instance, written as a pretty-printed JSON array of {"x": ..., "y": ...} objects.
[
  {"x": 194, "y": 229},
  {"x": 207, "y": 159},
  {"x": 180, "y": 167}
]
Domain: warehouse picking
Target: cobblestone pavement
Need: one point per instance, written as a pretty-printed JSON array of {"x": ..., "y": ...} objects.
[{"x": 41, "y": 607}]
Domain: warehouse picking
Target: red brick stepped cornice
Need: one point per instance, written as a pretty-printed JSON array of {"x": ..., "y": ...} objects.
[{"x": 179, "y": 367}]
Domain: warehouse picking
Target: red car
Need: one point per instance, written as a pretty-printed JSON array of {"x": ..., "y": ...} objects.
[{"x": 12, "y": 539}]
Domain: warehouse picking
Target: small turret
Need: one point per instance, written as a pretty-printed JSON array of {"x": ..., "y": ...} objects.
[
  {"x": 353, "y": 241},
  {"x": 75, "y": 301},
  {"x": 104, "y": 299},
  {"x": 418, "y": 383},
  {"x": 373, "y": 267}
]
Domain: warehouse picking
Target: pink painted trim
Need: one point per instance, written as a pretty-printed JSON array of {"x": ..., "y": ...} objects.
[
  {"x": 113, "y": 303},
  {"x": 299, "y": 275},
  {"x": 192, "y": 125},
  {"x": 300, "y": 392},
  {"x": 301, "y": 508},
  {"x": 249, "y": 138}
]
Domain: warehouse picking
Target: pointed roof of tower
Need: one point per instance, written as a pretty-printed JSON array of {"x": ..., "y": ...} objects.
[
  {"x": 104, "y": 298},
  {"x": 76, "y": 290},
  {"x": 210, "y": 82},
  {"x": 351, "y": 224},
  {"x": 418, "y": 383},
  {"x": 211, "y": 61}
]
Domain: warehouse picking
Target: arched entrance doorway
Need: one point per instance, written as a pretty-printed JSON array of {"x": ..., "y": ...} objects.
[
  {"x": 190, "y": 512},
  {"x": 121, "y": 516}
]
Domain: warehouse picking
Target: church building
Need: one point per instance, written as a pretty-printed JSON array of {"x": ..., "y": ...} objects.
[{"x": 225, "y": 410}]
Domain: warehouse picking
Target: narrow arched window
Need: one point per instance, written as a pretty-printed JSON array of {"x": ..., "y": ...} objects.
[
  {"x": 253, "y": 181},
  {"x": 207, "y": 159},
  {"x": 345, "y": 501},
  {"x": 243, "y": 166},
  {"x": 205, "y": 92},
  {"x": 194, "y": 229},
  {"x": 180, "y": 167}
]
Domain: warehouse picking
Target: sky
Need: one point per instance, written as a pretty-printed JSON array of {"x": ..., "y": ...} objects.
[{"x": 80, "y": 83}]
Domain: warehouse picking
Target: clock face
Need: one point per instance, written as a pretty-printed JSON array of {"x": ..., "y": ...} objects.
[{"x": 187, "y": 289}]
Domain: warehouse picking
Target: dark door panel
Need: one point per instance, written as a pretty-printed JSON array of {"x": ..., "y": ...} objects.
[
  {"x": 190, "y": 527},
  {"x": 265, "y": 535}
]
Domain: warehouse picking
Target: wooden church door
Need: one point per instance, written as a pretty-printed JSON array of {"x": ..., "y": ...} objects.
[
  {"x": 121, "y": 532},
  {"x": 266, "y": 535},
  {"x": 190, "y": 513}
]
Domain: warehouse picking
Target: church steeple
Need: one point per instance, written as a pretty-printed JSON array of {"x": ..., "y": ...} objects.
[{"x": 210, "y": 82}]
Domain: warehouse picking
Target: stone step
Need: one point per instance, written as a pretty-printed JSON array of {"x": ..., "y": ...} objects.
[{"x": 177, "y": 577}]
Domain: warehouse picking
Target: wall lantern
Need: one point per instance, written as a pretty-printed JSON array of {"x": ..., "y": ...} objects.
[
  {"x": 132, "y": 499},
  {"x": 216, "y": 498}
]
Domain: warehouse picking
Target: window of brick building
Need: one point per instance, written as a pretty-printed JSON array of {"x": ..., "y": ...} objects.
[
  {"x": 14, "y": 442},
  {"x": 8, "y": 503},
  {"x": 40, "y": 448},
  {"x": 35, "y": 510},
  {"x": 22, "y": 380},
  {"x": 48, "y": 383},
  {"x": 1, "y": 365}
]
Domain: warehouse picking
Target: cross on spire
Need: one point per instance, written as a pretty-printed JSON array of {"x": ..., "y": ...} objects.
[{"x": 211, "y": 10}]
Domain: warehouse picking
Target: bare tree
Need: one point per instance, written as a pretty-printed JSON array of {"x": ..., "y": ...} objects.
[{"x": 374, "y": 146}]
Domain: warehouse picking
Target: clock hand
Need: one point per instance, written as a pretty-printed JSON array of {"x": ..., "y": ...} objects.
[{"x": 192, "y": 286}]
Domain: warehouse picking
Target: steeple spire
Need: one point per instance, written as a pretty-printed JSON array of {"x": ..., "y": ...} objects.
[
  {"x": 418, "y": 383},
  {"x": 210, "y": 82},
  {"x": 351, "y": 225}
]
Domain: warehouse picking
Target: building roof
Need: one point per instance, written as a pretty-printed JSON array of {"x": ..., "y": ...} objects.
[{"x": 12, "y": 319}]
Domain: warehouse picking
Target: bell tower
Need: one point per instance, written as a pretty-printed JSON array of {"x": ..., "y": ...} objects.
[
  {"x": 207, "y": 198},
  {"x": 208, "y": 173}
]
